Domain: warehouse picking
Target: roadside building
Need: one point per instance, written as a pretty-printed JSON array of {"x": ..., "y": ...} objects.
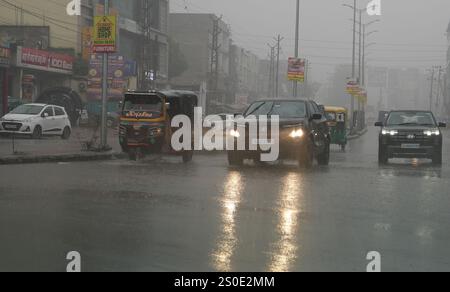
[
  {"x": 244, "y": 75},
  {"x": 205, "y": 41}
]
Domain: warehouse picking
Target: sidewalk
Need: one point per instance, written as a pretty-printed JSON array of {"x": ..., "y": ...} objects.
[{"x": 54, "y": 149}]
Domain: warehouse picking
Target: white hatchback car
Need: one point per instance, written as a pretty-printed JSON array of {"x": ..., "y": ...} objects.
[{"x": 37, "y": 120}]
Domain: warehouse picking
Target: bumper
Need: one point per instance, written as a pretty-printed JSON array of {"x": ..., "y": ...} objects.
[
  {"x": 420, "y": 152},
  {"x": 288, "y": 149}
]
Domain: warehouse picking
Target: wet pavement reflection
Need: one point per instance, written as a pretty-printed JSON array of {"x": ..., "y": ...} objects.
[{"x": 161, "y": 215}]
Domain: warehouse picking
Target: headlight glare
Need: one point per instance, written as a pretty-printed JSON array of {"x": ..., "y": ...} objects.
[{"x": 299, "y": 133}]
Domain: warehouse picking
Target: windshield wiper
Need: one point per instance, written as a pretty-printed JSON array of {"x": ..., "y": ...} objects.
[{"x": 256, "y": 109}]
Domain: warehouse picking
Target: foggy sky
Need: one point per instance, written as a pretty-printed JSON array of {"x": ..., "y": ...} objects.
[{"x": 412, "y": 33}]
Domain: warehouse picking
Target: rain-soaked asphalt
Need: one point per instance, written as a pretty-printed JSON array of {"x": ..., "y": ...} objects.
[{"x": 161, "y": 215}]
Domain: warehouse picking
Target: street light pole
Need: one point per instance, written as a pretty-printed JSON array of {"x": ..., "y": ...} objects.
[
  {"x": 104, "y": 133},
  {"x": 352, "y": 123},
  {"x": 297, "y": 45}
]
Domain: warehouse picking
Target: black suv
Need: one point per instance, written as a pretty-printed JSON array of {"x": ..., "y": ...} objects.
[
  {"x": 410, "y": 134},
  {"x": 303, "y": 132}
]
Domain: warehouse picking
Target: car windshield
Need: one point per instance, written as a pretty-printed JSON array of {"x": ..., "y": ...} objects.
[
  {"x": 284, "y": 109},
  {"x": 27, "y": 110},
  {"x": 411, "y": 119},
  {"x": 143, "y": 103}
]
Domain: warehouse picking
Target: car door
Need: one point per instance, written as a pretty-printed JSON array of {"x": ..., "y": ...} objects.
[
  {"x": 60, "y": 119},
  {"x": 48, "y": 120}
]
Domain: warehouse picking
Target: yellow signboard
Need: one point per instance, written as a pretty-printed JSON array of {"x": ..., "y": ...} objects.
[{"x": 104, "y": 34}]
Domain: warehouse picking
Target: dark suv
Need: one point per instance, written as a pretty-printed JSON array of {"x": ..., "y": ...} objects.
[
  {"x": 410, "y": 134},
  {"x": 303, "y": 132}
]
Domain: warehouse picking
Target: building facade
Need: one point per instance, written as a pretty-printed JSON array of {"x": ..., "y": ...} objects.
[
  {"x": 244, "y": 74},
  {"x": 194, "y": 35}
]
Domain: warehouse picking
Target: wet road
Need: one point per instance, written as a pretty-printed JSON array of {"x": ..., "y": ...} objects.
[{"x": 161, "y": 215}]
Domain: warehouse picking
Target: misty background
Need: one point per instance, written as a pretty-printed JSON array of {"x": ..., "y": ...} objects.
[{"x": 412, "y": 33}]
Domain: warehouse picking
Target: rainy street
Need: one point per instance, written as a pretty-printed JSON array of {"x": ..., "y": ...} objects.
[{"x": 161, "y": 215}]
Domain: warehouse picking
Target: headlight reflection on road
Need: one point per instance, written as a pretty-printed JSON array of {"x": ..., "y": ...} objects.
[
  {"x": 285, "y": 250},
  {"x": 227, "y": 242}
]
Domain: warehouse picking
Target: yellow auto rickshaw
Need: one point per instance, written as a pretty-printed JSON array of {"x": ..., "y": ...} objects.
[{"x": 337, "y": 122}]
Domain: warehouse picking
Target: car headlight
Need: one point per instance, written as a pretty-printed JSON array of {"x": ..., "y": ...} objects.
[
  {"x": 389, "y": 132},
  {"x": 299, "y": 133},
  {"x": 235, "y": 134},
  {"x": 432, "y": 133}
]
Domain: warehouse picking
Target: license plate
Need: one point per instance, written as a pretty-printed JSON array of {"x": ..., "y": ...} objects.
[
  {"x": 261, "y": 142},
  {"x": 410, "y": 146}
]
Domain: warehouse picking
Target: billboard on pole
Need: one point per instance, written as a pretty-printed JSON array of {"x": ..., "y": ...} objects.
[
  {"x": 104, "y": 34},
  {"x": 296, "y": 69}
]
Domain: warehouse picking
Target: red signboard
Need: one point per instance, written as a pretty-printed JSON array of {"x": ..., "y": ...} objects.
[{"x": 44, "y": 60}]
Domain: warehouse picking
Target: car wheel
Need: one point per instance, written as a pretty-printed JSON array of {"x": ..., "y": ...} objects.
[
  {"x": 235, "y": 158},
  {"x": 437, "y": 157},
  {"x": 324, "y": 158},
  {"x": 37, "y": 133},
  {"x": 66, "y": 133},
  {"x": 187, "y": 156},
  {"x": 382, "y": 155},
  {"x": 306, "y": 156}
]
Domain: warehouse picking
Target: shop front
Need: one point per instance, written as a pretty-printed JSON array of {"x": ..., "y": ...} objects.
[
  {"x": 5, "y": 61},
  {"x": 37, "y": 70}
]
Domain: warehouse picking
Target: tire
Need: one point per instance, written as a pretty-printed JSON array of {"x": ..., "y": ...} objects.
[
  {"x": 382, "y": 155},
  {"x": 324, "y": 158},
  {"x": 306, "y": 156},
  {"x": 187, "y": 156},
  {"x": 37, "y": 133},
  {"x": 66, "y": 133},
  {"x": 437, "y": 157},
  {"x": 235, "y": 158}
]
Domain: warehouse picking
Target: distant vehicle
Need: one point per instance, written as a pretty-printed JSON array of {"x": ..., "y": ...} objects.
[
  {"x": 410, "y": 134},
  {"x": 337, "y": 122},
  {"x": 304, "y": 134},
  {"x": 37, "y": 120}
]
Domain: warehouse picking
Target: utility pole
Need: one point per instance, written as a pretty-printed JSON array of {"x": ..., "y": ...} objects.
[
  {"x": 305, "y": 84},
  {"x": 439, "y": 87},
  {"x": 104, "y": 131},
  {"x": 360, "y": 66},
  {"x": 432, "y": 88},
  {"x": 277, "y": 77},
  {"x": 352, "y": 115},
  {"x": 214, "y": 61},
  {"x": 147, "y": 72},
  {"x": 272, "y": 71},
  {"x": 297, "y": 43}
]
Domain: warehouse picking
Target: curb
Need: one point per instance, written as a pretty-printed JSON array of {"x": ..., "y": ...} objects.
[{"x": 88, "y": 156}]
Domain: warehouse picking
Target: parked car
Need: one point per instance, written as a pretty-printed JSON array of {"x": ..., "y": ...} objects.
[
  {"x": 410, "y": 134},
  {"x": 303, "y": 134},
  {"x": 37, "y": 120}
]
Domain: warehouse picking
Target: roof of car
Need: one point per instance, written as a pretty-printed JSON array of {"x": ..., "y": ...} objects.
[
  {"x": 36, "y": 104},
  {"x": 410, "y": 111}
]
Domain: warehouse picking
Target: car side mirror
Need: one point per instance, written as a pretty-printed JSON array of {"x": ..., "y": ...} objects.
[
  {"x": 379, "y": 124},
  {"x": 317, "y": 117},
  {"x": 442, "y": 125},
  {"x": 44, "y": 115}
]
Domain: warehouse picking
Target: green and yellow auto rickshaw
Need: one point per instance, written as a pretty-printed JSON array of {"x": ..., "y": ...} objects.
[{"x": 337, "y": 122}]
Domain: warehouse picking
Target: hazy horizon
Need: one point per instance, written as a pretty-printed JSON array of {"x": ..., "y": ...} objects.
[{"x": 410, "y": 34}]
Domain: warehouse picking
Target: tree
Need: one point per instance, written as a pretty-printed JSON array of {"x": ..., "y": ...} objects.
[{"x": 177, "y": 61}]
